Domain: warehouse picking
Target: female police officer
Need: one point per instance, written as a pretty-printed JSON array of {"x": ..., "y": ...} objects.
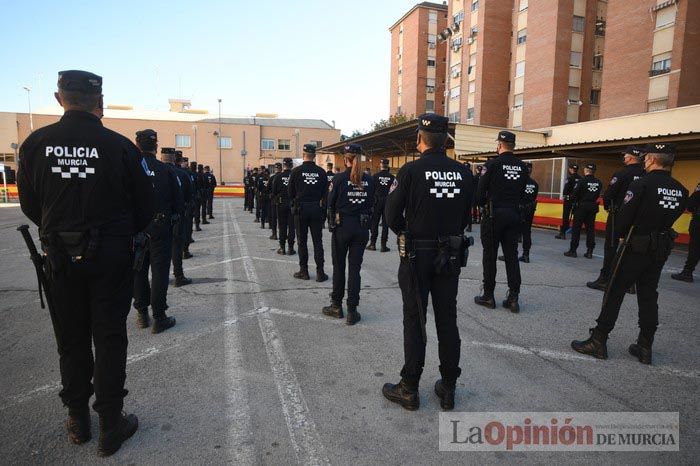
[{"x": 349, "y": 210}]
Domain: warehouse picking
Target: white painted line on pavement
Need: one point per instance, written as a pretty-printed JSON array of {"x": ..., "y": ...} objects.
[
  {"x": 186, "y": 269},
  {"x": 274, "y": 260},
  {"x": 302, "y": 428}
]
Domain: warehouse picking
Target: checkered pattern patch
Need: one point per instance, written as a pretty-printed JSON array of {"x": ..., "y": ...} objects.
[
  {"x": 310, "y": 181},
  {"x": 529, "y": 189},
  {"x": 356, "y": 200},
  {"x": 69, "y": 172},
  {"x": 384, "y": 181},
  {"x": 511, "y": 176},
  {"x": 285, "y": 181},
  {"x": 444, "y": 192},
  {"x": 669, "y": 204},
  {"x": 593, "y": 187}
]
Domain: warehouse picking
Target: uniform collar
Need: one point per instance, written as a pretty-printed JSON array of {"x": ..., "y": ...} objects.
[
  {"x": 505, "y": 153},
  {"x": 305, "y": 162},
  {"x": 660, "y": 172},
  {"x": 80, "y": 115},
  {"x": 149, "y": 155},
  {"x": 434, "y": 151}
]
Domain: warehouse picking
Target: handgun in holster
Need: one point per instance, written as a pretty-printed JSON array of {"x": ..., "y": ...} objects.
[
  {"x": 364, "y": 220},
  {"x": 139, "y": 248}
]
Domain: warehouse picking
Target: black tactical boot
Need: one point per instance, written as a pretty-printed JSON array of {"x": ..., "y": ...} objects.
[
  {"x": 273, "y": 236},
  {"x": 115, "y": 430},
  {"x": 642, "y": 349},
  {"x": 595, "y": 345},
  {"x": 469, "y": 228},
  {"x": 187, "y": 254},
  {"x": 334, "y": 310},
  {"x": 403, "y": 394},
  {"x": 78, "y": 426},
  {"x": 632, "y": 289},
  {"x": 511, "y": 302},
  {"x": 589, "y": 253},
  {"x": 502, "y": 258},
  {"x": 525, "y": 257},
  {"x": 204, "y": 222},
  {"x": 600, "y": 283},
  {"x": 211, "y": 217},
  {"x": 486, "y": 301},
  {"x": 571, "y": 253},
  {"x": 281, "y": 251},
  {"x": 371, "y": 247},
  {"x": 303, "y": 274},
  {"x": 321, "y": 275},
  {"x": 561, "y": 236},
  {"x": 290, "y": 250},
  {"x": 384, "y": 248},
  {"x": 197, "y": 228},
  {"x": 142, "y": 318},
  {"x": 446, "y": 392},
  {"x": 257, "y": 220},
  {"x": 685, "y": 276},
  {"x": 353, "y": 316},
  {"x": 182, "y": 281},
  {"x": 162, "y": 322}
]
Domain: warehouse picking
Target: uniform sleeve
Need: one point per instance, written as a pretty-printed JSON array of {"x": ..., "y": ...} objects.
[
  {"x": 483, "y": 187},
  {"x": 537, "y": 193},
  {"x": 332, "y": 198},
  {"x": 324, "y": 184},
  {"x": 140, "y": 186},
  {"x": 613, "y": 190},
  {"x": 576, "y": 191},
  {"x": 628, "y": 211},
  {"x": 397, "y": 200},
  {"x": 292, "y": 188},
  {"x": 468, "y": 183},
  {"x": 371, "y": 189},
  {"x": 694, "y": 199},
  {"x": 178, "y": 198},
  {"x": 28, "y": 198}
]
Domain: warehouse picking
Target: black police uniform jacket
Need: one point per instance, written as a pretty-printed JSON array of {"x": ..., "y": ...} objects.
[
  {"x": 614, "y": 195},
  {"x": 210, "y": 182},
  {"x": 308, "y": 183},
  {"x": 185, "y": 184},
  {"x": 168, "y": 196},
  {"x": 280, "y": 187},
  {"x": 345, "y": 198},
  {"x": 587, "y": 192},
  {"x": 430, "y": 197},
  {"x": 694, "y": 202},
  {"x": 382, "y": 183},
  {"x": 569, "y": 185},
  {"x": 76, "y": 175},
  {"x": 529, "y": 201},
  {"x": 502, "y": 182}
]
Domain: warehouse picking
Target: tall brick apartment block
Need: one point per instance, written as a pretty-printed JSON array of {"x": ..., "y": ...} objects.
[{"x": 418, "y": 61}]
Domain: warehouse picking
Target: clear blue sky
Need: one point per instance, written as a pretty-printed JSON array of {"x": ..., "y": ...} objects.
[{"x": 303, "y": 58}]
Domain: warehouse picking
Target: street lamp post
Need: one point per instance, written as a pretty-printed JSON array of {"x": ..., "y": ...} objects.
[
  {"x": 29, "y": 103},
  {"x": 221, "y": 172}
]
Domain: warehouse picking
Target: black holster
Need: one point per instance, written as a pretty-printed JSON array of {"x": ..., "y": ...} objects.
[
  {"x": 364, "y": 220},
  {"x": 658, "y": 244},
  {"x": 453, "y": 253}
]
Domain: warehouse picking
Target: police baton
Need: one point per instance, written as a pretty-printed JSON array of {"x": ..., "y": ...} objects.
[
  {"x": 36, "y": 259},
  {"x": 616, "y": 267}
]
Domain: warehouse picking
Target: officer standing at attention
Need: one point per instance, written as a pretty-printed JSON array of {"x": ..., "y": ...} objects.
[
  {"x": 203, "y": 187},
  {"x": 168, "y": 203},
  {"x": 285, "y": 220},
  {"x": 476, "y": 210},
  {"x": 210, "y": 183},
  {"x": 529, "y": 207},
  {"x": 693, "y": 207},
  {"x": 501, "y": 191},
  {"x": 571, "y": 181},
  {"x": 263, "y": 195},
  {"x": 349, "y": 212},
  {"x": 612, "y": 201},
  {"x": 329, "y": 171},
  {"x": 584, "y": 199},
  {"x": 168, "y": 156},
  {"x": 189, "y": 206},
  {"x": 87, "y": 190},
  {"x": 308, "y": 186},
  {"x": 382, "y": 181},
  {"x": 247, "y": 188},
  {"x": 194, "y": 176},
  {"x": 273, "y": 202},
  {"x": 428, "y": 209},
  {"x": 651, "y": 206}
]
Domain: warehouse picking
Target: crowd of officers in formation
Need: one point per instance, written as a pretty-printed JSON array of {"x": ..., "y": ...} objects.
[{"x": 108, "y": 211}]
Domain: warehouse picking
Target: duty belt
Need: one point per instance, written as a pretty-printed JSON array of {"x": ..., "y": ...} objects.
[
  {"x": 425, "y": 245},
  {"x": 159, "y": 217}
]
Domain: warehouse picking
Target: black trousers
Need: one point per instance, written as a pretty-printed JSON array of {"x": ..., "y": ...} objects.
[
  {"x": 348, "y": 244},
  {"x": 609, "y": 248},
  {"x": 286, "y": 224},
  {"x": 566, "y": 216},
  {"x": 584, "y": 216},
  {"x": 694, "y": 245},
  {"x": 443, "y": 291},
  {"x": 210, "y": 203},
  {"x": 178, "y": 247},
  {"x": 377, "y": 215},
  {"x": 644, "y": 271},
  {"x": 527, "y": 233},
  {"x": 204, "y": 195},
  {"x": 189, "y": 218},
  {"x": 310, "y": 218},
  {"x": 264, "y": 206},
  {"x": 273, "y": 217},
  {"x": 90, "y": 303},
  {"x": 158, "y": 260},
  {"x": 246, "y": 199},
  {"x": 502, "y": 230},
  {"x": 257, "y": 206},
  {"x": 197, "y": 204}
]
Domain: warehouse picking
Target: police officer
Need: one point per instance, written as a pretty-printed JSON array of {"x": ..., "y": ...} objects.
[
  {"x": 571, "y": 181},
  {"x": 584, "y": 199},
  {"x": 529, "y": 206},
  {"x": 501, "y": 191},
  {"x": 87, "y": 190},
  {"x": 350, "y": 202},
  {"x": 189, "y": 206},
  {"x": 247, "y": 188},
  {"x": 203, "y": 188},
  {"x": 308, "y": 185},
  {"x": 198, "y": 183},
  {"x": 650, "y": 207},
  {"x": 168, "y": 203},
  {"x": 612, "y": 200},
  {"x": 273, "y": 202},
  {"x": 168, "y": 156},
  {"x": 285, "y": 220},
  {"x": 263, "y": 196},
  {"x": 329, "y": 171},
  {"x": 382, "y": 181},
  {"x": 476, "y": 210},
  {"x": 693, "y": 207},
  {"x": 428, "y": 209},
  {"x": 210, "y": 184}
]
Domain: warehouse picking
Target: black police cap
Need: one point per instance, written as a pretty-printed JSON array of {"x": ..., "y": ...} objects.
[
  {"x": 278, "y": 165},
  {"x": 591, "y": 166},
  {"x": 660, "y": 148},
  {"x": 633, "y": 150},
  {"x": 206, "y": 167},
  {"x": 506, "y": 136},
  {"x": 352, "y": 149},
  {"x": 80, "y": 81},
  {"x": 288, "y": 161},
  {"x": 574, "y": 166},
  {"x": 309, "y": 148},
  {"x": 384, "y": 161},
  {"x": 147, "y": 139},
  {"x": 468, "y": 165},
  {"x": 432, "y": 123}
]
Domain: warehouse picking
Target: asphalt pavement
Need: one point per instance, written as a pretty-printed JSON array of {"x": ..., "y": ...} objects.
[{"x": 253, "y": 373}]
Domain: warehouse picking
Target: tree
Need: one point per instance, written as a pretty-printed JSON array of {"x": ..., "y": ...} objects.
[{"x": 393, "y": 120}]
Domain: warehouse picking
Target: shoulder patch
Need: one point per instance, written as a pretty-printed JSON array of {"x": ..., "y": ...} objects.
[
  {"x": 614, "y": 180},
  {"x": 330, "y": 186},
  {"x": 628, "y": 196},
  {"x": 144, "y": 165},
  {"x": 394, "y": 185}
]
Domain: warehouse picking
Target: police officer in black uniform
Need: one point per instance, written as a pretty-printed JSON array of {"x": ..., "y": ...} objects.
[
  {"x": 168, "y": 202},
  {"x": 87, "y": 190},
  {"x": 571, "y": 181},
  {"x": 650, "y": 207},
  {"x": 584, "y": 199},
  {"x": 168, "y": 156},
  {"x": 529, "y": 206},
  {"x": 308, "y": 187},
  {"x": 203, "y": 188},
  {"x": 273, "y": 202},
  {"x": 501, "y": 191},
  {"x": 263, "y": 196},
  {"x": 382, "y": 181},
  {"x": 428, "y": 209},
  {"x": 210, "y": 183},
  {"x": 468, "y": 166},
  {"x": 198, "y": 183},
  {"x": 247, "y": 191},
  {"x": 189, "y": 206},
  {"x": 686, "y": 275},
  {"x": 476, "y": 210},
  {"x": 285, "y": 220},
  {"x": 612, "y": 201},
  {"x": 329, "y": 171},
  {"x": 350, "y": 201}
]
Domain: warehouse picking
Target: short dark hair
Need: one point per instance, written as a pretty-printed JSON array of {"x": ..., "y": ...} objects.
[
  {"x": 663, "y": 159},
  {"x": 79, "y": 100},
  {"x": 433, "y": 140},
  {"x": 508, "y": 145}
]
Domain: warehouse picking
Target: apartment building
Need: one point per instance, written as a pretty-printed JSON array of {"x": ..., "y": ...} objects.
[{"x": 418, "y": 62}]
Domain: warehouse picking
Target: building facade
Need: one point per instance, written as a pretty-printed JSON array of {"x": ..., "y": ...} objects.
[{"x": 418, "y": 61}]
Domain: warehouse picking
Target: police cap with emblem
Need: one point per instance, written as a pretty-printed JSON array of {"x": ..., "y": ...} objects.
[
  {"x": 574, "y": 166},
  {"x": 468, "y": 165},
  {"x": 660, "y": 148},
  {"x": 147, "y": 139},
  {"x": 590, "y": 166},
  {"x": 432, "y": 123},
  {"x": 352, "y": 149},
  {"x": 80, "y": 81},
  {"x": 309, "y": 148},
  {"x": 506, "y": 136},
  {"x": 632, "y": 150},
  {"x": 384, "y": 161},
  {"x": 288, "y": 162},
  {"x": 278, "y": 165}
]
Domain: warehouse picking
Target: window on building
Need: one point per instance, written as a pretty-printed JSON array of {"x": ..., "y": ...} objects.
[
  {"x": 472, "y": 87},
  {"x": 225, "y": 142},
  {"x": 454, "y": 92},
  {"x": 595, "y": 96},
  {"x": 470, "y": 113},
  {"x": 579, "y": 24},
  {"x": 432, "y": 17},
  {"x": 523, "y": 5},
  {"x": 518, "y": 101},
  {"x": 657, "y": 105},
  {"x": 458, "y": 18},
  {"x": 456, "y": 71},
  {"x": 430, "y": 106},
  {"x": 454, "y": 117},
  {"x": 574, "y": 94},
  {"x": 182, "y": 140},
  {"x": 597, "y": 62},
  {"x": 576, "y": 58},
  {"x": 284, "y": 144},
  {"x": 522, "y": 36},
  {"x": 267, "y": 144},
  {"x": 661, "y": 64},
  {"x": 520, "y": 69},
  {"x": 665, "y": 16},
  {"x": 430, "y": 85},
  {"x": 398, "y": 110},
  {"x": 472, "y": 63},
  {"x": 600, "y": 27},
  {"x": 431, "y": 62},
  {"x": 473, "y": 31},
  {"x": 475, "y": 5},
  {"x": 456, "y": 43},
  {"x": 400, "y": 71},
  {"x": 432, "y": 41}
]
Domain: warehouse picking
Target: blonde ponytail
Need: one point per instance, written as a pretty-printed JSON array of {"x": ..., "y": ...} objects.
[{"x": 356, "y": 171}]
